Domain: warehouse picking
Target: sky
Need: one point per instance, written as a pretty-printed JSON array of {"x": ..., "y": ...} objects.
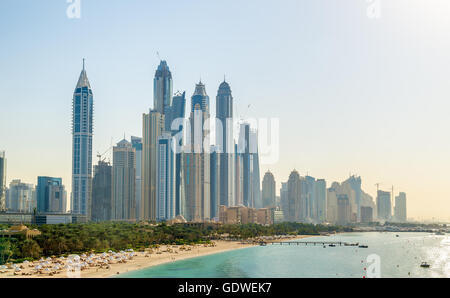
[{"x": 355, "y": 91}]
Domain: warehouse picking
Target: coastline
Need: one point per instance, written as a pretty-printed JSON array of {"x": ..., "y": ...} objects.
[{"x": 143, "y": 260}]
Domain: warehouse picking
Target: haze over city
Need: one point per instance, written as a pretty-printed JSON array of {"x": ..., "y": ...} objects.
[{"x": 354, "y": 94}]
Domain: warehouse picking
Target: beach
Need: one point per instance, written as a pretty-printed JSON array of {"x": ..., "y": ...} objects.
[{"x": 111, "y": 264}]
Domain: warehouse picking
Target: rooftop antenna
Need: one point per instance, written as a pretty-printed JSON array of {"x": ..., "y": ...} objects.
[
  {"x": 157, "y": 54},
  {"x": 84, "y": 60},
  {"x": 378, "y": 187}
]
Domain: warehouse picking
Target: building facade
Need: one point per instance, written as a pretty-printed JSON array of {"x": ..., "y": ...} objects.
[
  {"x": 136, "y": 142},
  {"x": 21, "y": 197},
  {"x": 400, "y": 207},
  {"x": 165, "y": 184},
  {"x": 384, "y": 206},
  {"x": 153, "y": 127},
  {"x": 102, "y": 192},
  {"x": 51, "y": 195},
  {"x": 82, "y": 131},
  {"x": 124, "y": 182},
  {"x": 2, "y": 181},
  {"x": 268, "y": 190}
]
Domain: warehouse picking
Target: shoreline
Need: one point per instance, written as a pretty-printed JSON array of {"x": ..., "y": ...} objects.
[{"x": 143, "y": 260}]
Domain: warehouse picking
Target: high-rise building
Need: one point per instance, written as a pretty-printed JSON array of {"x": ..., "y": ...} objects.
[
  {"x": 2, "y": 181},
  {"x": 321, "y": 196},
  {"x": 82, "y": 130},
  {"x": 284, "y": 198},
  {"x": 366, "y": 214},
  {"x": 215, "y": 182},
  {"x": 165, "y": 184},
  {"x": 293, "y": 213},
  {"x": 400, "y": 207},
  {"x": 102, "y": 192},
  {"x": 136, "y": 142},
  {"x": 332, "y": 203},
  {"x": 124, "y": 180},
  {"x": 51, "y": 195},
  {"x": 225, "y": 141},
  {"x": 343, "y": 210},
  {"x": 254, "y": 170},
  {"x": 355, "y": 183},
  {"x": 178, "y": 112},
  {"x": 162, "y": 92},
  {"x": 197, "y": 167},
  {"x": 20, "y": 197},
  {"x": 311, "y": 198},
  {"x": 268, "y": 190},
  {"x": 384, "y": 206},
  {"x": 153, "y": 127}
]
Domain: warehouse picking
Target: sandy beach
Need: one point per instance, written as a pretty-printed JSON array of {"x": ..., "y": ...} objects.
[{"x": 113, "y": 263}]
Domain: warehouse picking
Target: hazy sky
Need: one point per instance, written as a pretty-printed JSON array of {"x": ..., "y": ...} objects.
[{"x": 354, "y": 94}]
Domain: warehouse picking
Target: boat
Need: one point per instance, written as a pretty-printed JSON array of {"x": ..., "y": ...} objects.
[
  {"x": 332, "y": 245},
  {"x": 440, "y": 233},
  {"x": 425, "y": 265},
  {"x": 363, "y": 246},
  {"x": 397, "y": 235}
]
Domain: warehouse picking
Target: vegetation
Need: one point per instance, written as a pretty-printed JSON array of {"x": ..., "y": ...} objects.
[{"x": 65, "y": 239}]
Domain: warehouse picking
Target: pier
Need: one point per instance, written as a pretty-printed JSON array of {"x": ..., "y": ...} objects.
[{"x": 311, "y": 243}]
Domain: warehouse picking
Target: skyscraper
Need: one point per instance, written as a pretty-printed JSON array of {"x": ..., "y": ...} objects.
[
  {"x": 124, "y": 182},
  {"x": 20, "y": 197},
  {"x": 215, "y": 182},
  {"x": 400, "y": 207},
  {"x": 343, "y": 209},
  {"x": 321, "y": 196},
  {"x": 294, "y": 197},
  {"x": 153, "y": 127},
  {"x": 165, "y": 184},
  {"x": 254, "y": 170},
  {"x": 284, "y": 198},
  {"x": 224, "y": 139},
  {"x": 102, "y": 192},
  {"x": 162, "y": 92},
  {"x": 82, "y": 130},
  {"x": 2, "y": 181},
  {"x": 384, "y": 208},
  {"x": 178, "y": 112},
  {"x": 197, "y": 162},
  {"x": 136, "y": 142},
  {"x": 51, "y": 195},
  {"x": 268, "y": 190}
]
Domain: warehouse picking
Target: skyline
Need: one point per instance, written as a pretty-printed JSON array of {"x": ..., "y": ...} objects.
[{"x": 319, "y": 145}]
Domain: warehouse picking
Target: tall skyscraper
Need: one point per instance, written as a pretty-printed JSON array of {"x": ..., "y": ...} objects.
[
  {"x": 197, "y": 165},
  {"x": 215, "y": 182},
  {"x": 2, "y": 181},
  {"x": 102, "y": 192},
  {"x": 343, "y": 209},
  {"x": 225, "y": 140},
  {"x": 162, "y": 92},
  {"x": 268, "y": 190},
  {"x": 311, "y": 198},
  {"x": 124, "y": 181},
  {"x": 165, "y": 184},
  {"x": 20, "y": 197},
  {"x": 384, "y": 208},
  {"x": 254, "y": 170},
  {"x": 355, "y": 184},
  {"x": 284, "y": 198},
  {"x": 136, "y": 142},
  {"x": 82, "y": 130},
  {"x": 178, "y": 112},
  {"x": 400, "y": 207},
  {"x": 153, "y": 127},
  {"x": 51, "y": 195},
  {"x": 321, "y": 196},
  {"x": 294, "y": 197}
]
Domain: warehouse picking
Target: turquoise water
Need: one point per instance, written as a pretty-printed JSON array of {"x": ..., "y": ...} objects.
[{"x": 399, "y": 257}]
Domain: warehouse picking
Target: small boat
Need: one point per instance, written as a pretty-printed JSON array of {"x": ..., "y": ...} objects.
[
  {"x": 425, "y": 265},
  {"x": 397, "y": 235},
  {"x": 363, "y": 246},
  {"x": 332, "y": 245},
  {"x": 440, "y": 233}
]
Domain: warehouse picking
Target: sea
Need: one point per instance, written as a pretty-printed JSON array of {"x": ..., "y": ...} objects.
[{"x": 388, "y": 255}]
